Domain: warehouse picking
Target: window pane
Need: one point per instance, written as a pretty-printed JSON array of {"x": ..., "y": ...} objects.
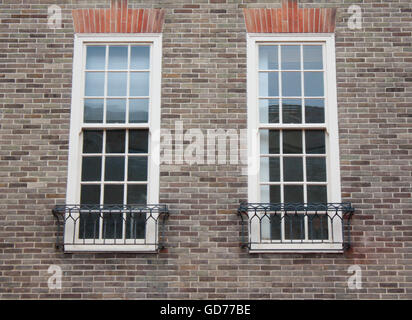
[
  {"x": 113, "y": 194},
  {"x": 94, "y": 84},
  {"x": 114, "y": 169},
  {"x": 269, "y": 111},
  {"x": 268, "y": 57},
  {"x": 292, "y": 169},
  {"x": 315, "y": 141},
  {"x": 112, "y": 225},
  {"x": 274, "y": 194},
  {"x": 89, "y": 225},
  {"x": 117, "y": 84},
  {"x": 314, "y": 110},
  {"x": 91, "y": 168},
  {"x": 268, "y": 84},
  {"x": 92, "y": 141},
  {"x": 138, "y": 110},
  {"x": 112, "y": 222},
  {"x": 140, "y": 58},
  {"x": 314, "y": 84},
  {"x": 317, "y": 194},
  {"x": 318, "y": 227},
  {"x": 275, "y": 226},
  {"x": 312, "y": 57},
  {"x": 136, "y": 194},
  {"x": 269, "y": 141},
  {"x": 138, "y": 141},
  {"x": 139, "y": 84},
  {"x": 294, "y": 226},
  {"x": 270, "y": 194},
  {"x": 292, "y": 110},
  {"x": 93, "y": 111},
  {"x": 269, "y": 169},
  {"x": 292, "y": 141},
  {"x": 137, "y": 169},
  {"x": 316, "y": 169},
  {"x": 90, "y": 194},
  {"x": 118, "y": 57},
  {"x": 136, "y": 225},
  {"x": 291, "y": 84},
  {"x": 115, "y": 141},
  {"x": 116, "y": 110},
  {"x": 290, "y": 57},
  {"x": 293, "y": 194},
  {"x": 96, "y": 58}
]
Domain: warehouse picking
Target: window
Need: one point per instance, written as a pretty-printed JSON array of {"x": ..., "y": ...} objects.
[
  {"x": 293, "y": 140},
  {"x": 115, "y": 118}
]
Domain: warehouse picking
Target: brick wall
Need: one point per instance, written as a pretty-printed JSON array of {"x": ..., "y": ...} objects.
[{"x": 204, "y": 85}]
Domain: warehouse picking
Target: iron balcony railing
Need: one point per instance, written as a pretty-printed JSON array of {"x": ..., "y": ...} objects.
[
  {"x": 295, "y": 226},
  {"x": 94, "y": 225}
]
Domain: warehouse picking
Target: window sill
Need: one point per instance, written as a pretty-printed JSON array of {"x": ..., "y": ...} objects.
[
  {"x": 73, "y": 248},
  {"x": 296, "y": 248}
]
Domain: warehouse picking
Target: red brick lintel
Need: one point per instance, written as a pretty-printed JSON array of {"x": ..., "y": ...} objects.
[
  {"x": 290, "y": 18},
  {"x": 118, "y": 19}
]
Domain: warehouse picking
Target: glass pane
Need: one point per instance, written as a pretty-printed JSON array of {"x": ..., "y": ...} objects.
[
  {"x": 140, "y": 58},
  {"x": 94, "y": 84},
  {"x": 293, "y": 194},
  {"x": 113, "y": 194},
  {"x": 318, "y": 227},
  {"x": 315, "y": 110},
  {"x": 92, "y": 141},
  {"x": 117, "y": 84},
  {"x": 292, "y": 110},
  {"x": 116, "y": 110},
  {"x": 137, "y": 169},
  {"x": 291, "y": 84},
  {"x": 91, "y": 168},
  {"x": 269, "y": 111},
  {"x": 89, "y": 225},
  {"x": 139, "y": 84},
  {"x": 115, "y": 141},
  {"x": 292, "y": 141},
  {"x": 316, "y": 169},
  {"x": 96, "y": 58},
  {"x": 269, "y": 141},
  {"x": 112, "y": 225},
  {"x": 114, "y": 169},
  {"x": 138, "y": 110},
  {"x": 136, "y": 225},
  {"x": 290, "y": 57},
  {"x": 268, "y": 84},
  {"x": 138, "y": 141},
  {"x": 269, "y": 169},
  {"x": 270, "y": 194},
  {"x": 118, "y": 57},
  {"x": 137, "y": 194},
  {"x": 275, "y": 226},
  {"x": 312, "y": 57},
  {"x": 90, "y": 194},
  {"x": 315, "y": 141},
  {"x": 112, "y": 222},
  {"x": 93, "y": 111},
  {"x": 294, "y": 226},
  {"x": 317, "y": 194},
  {"x": 314, "y": 84},
  {"x": 293, "y": 169},
  {"x": 89, "y": 222},
  {"x": 268, "y": 57}
]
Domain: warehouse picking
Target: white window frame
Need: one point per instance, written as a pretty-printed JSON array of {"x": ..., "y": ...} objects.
[
  {"x": 149, "y": 244},
  {"x": 330, "y": 126}
]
